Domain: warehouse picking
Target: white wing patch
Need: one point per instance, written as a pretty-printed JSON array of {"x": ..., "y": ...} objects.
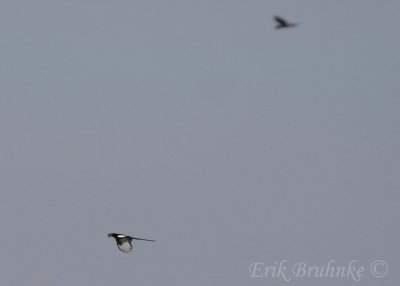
[
  {"x": 121, "y": 235},
  {"x": 124, "y": 245}
]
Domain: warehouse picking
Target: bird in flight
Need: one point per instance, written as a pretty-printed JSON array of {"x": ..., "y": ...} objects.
[
  {"x": 124, "y": 242},
  {"x": 282, "y": 23}
]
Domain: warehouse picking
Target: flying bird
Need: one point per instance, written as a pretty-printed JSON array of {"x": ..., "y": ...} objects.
[
  {"x": 124, "y": 242},
  {"x": 282, "y": 23}
]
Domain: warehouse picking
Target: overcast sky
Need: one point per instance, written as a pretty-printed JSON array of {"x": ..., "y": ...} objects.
[{"x": 197, "y": 124}]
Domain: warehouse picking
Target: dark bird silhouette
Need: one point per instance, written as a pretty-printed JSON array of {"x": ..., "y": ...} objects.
[
  {"x": 124, "y": 242},
  {"x": 282, "y": 23}
]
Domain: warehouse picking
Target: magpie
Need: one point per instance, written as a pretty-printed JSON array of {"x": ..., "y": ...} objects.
[
  {"x": 124, "y": 242},
  {"x": 282, "y": 23}
]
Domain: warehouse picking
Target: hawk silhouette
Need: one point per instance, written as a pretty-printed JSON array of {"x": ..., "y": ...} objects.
[
  {"x": 282, "y": 23},
  {"x": 124, "y": 242}
]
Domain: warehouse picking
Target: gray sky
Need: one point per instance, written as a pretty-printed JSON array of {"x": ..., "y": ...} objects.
[{"x": 197, "y": 124}]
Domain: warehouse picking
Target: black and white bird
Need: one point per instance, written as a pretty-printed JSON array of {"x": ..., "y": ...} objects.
[
  {"x": 124, "y": 242},
  {"x": 282, "y": 23}
]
